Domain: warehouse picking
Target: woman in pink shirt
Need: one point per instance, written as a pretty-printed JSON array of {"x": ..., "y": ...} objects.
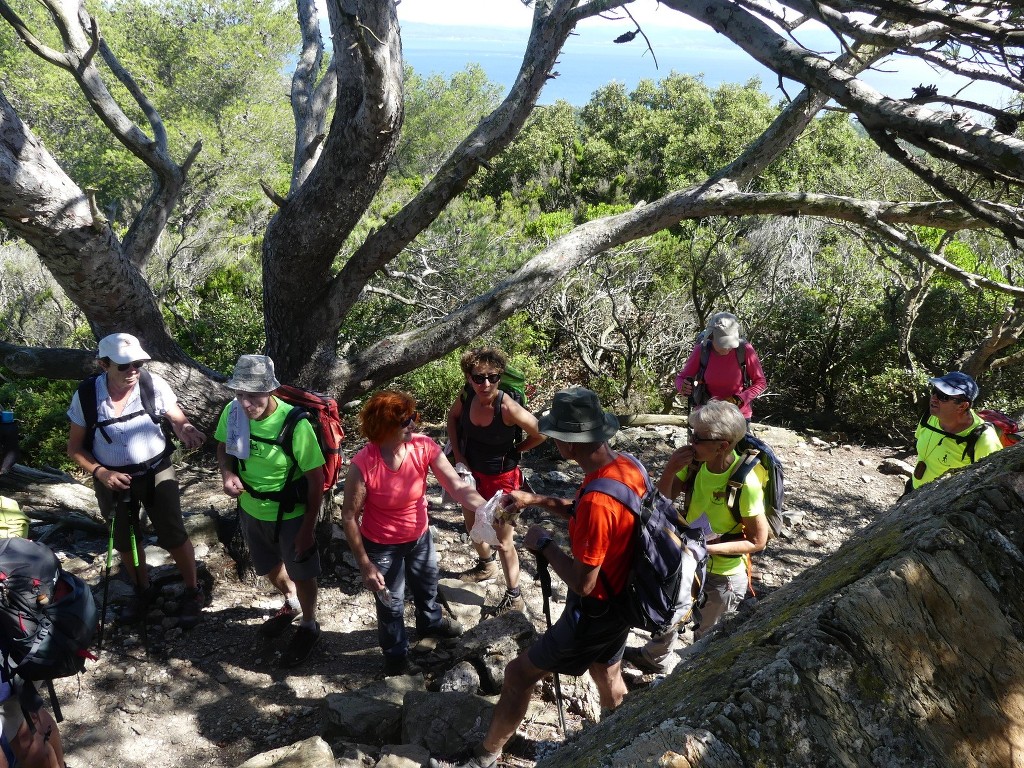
[
  {"x": 385, "y": 520},
  {"x": 732, "y": 371}
]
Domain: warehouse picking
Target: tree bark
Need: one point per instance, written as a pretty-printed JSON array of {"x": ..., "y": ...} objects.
[
  {"x": 904, "y": 648},
  {"x": 53, "y": 497}
]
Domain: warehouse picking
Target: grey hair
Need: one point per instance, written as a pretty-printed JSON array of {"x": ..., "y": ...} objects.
[{"x": 719, "y": 420}]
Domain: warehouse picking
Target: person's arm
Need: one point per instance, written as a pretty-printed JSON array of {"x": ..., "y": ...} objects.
[
  {"x": 579, "y": 577},
  {"x": 514, "y": 415},
  {"x": 755, "y": 537},
  {"x": 758, "y": 382},
  {"x": 305, "y": 538},
  {"x": 351, "y": 511},
  {"x": 670, "y": 483},
  {"x": 454, "y": 419},
  {"x": 187, "y": 432},
  {"x": 457, "y": 488},
  {"x": 559, "y": 507},
  {"x": 231, "y": 481},
  {"x": 40, "y": 746},
  {"x": 684, "y": 379},
  {"x": 115, "y": 481}
]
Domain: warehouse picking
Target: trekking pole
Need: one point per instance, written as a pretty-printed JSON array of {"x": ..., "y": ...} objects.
[
  {"x": 138, "y": 581},
  {"x": 106, "y": 580},
  {"x": 545, "y": 589}
]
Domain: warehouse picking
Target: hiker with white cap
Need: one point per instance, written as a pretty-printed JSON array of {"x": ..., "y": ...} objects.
[
  {"x": 951, "y": 434},
  {"x": 589, "y": 635},
  {"x": 117, "y": 436},
  {"x": 722, "y": 366},
  {"x": 279, "y": 494}
]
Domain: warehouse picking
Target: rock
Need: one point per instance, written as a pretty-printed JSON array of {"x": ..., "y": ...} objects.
[
  {"x": 867, "y": 479},
  {"x": 372, "y": 713},
  {"x": 555, "y": 476},
  {"x": 403, "y": 756},
  {"x": 494, "y": 661},
  {"x": 895, "y": 467},
  {"x": 463, "y": 677},
  {"x": 445, "y": 723},
  {"x": 355, "y": 755},
  {"x": 314, "y": 752}
]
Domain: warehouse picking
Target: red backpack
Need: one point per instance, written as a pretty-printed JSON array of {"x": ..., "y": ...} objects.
[
  {"x": 1006, "y": 428},
  {"x": 324, "y": 417}
]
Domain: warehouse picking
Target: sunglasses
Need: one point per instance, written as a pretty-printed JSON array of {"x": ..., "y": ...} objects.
[
  {"x": 943, "y": 397},
  {"x": 480, "y": 378},
  {"x": 412, "y": 421},
  {"x": 137, "y": 365},
  {"x": 696, "y": 439}
]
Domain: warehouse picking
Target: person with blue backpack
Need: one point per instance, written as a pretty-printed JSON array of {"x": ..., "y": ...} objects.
[
  {"x": 722, "y": 366},
  {"x": 703, "y": 472},
  {"x": 590, "y": 634},
  {"x": 488, "y": 430}
]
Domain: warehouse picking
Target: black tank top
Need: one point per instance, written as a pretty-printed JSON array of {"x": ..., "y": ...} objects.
[{"x": 489, "y": 450}]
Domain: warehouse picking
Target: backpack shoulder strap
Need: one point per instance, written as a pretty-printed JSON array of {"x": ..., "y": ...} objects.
[
  {"x": 147, "y": 394},
  {"x": 741, "y": 358},
  {"x": 286, "y": 436},
  {"x": 617, "y": 489},
  {"x": 705, "y": 355},
  {"x": 972, "y": 439},
  {"x": 87, "y": 399},
  {"x": 750, "y": 459}
]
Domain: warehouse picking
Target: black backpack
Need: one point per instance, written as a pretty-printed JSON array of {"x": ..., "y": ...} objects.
[
  {"x": 48, "y": 617},
  {"x": 756, "y": 452},
  {"x": 655, "y": 585},
  {"x": 700, "y": 395},
  {"x": 87, "y": 399}
]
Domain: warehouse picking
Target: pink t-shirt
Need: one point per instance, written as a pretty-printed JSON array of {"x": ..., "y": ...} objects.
[
  {"x": 723, "y": 376},
  {"x": 396, "y": 502}
]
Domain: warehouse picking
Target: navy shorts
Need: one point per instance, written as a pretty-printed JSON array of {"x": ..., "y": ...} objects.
[{"x": 588, "y": 632}]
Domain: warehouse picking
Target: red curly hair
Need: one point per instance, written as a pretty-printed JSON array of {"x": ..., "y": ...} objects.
[{"x": 384, "y": 413}]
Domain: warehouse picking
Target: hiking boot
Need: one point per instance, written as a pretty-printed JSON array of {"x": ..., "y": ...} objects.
[
  {"x": 396, "y": 665},
  {"x": 469, "y": 759},
  {"x": 448, "y": 628},
  {"x": 280, "y": 621},
  {"x": 635, "y": 656},
  {"x": 192, "y": 603},
  {"x": 482, "y": 571},
  {"x": 508, "y": 603},
  {"x": 301, "y": 646},
  {"x": 137, "y": 607}
]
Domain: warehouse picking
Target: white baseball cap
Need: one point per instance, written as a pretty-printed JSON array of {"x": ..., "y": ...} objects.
[{"x": 122, "y": 348}]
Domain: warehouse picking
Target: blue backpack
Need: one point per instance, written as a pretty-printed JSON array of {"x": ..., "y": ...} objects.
[
  {"x": 755, "y": 452},
  {"x": 654, "y": 590}
]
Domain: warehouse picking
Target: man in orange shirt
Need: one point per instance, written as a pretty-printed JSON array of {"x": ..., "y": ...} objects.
[{"x": 588, "y": 636}]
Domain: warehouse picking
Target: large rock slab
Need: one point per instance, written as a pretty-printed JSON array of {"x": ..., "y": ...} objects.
[
  {"x": 445, "y": 723},
  {"x": 904, "y": 648}
]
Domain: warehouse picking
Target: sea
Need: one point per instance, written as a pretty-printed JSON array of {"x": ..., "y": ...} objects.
[{"x": 590, "y": 60}]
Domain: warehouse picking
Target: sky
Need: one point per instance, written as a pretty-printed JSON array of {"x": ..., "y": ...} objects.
[{"x": 442, "y": 36}]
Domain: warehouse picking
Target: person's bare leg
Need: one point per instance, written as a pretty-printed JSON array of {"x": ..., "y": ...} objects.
[
  {"x": 508, "y": 556},
  {"x": 611, "y": 688},
  {"x": 185, "y": 558},
  {"x": 520, "y": 677},
  {"x": 306, "y": 590}
]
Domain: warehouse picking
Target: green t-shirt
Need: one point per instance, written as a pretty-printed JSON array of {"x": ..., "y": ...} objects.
[
  {"x": 268, "y": 466},
  {"x": 709, "y": 497},
  {"x": 941, "y": 454}
]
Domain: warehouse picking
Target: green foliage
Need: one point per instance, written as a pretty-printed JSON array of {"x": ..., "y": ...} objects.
[
  {"x": 434, "y": 385},
  {"x": 40, "y": 408},
  {"x": 222, "y": 318}
]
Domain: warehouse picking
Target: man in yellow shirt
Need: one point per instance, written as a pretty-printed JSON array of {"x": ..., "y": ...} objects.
[{"x": 951, "y": 435}]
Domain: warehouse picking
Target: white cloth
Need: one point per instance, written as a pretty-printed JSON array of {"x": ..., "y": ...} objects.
[{"x": 237, "y": 443}]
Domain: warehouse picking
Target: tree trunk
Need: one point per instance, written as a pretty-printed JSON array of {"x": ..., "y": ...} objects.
[
  {"x": 904, "y": 648},
  {"x": 52, "y": 497}
]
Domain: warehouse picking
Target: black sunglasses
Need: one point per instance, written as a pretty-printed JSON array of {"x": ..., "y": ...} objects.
[
  {"x": 942, "y": 396},
  {"x": 695, "y": 439},
  {"x": 480, "y": 378},
  {"x": 137, "y": 365},
  {"x": 412, "y": 420}
]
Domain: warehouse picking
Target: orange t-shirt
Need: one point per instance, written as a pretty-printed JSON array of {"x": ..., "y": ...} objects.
[{"x": 601, "y": 529}]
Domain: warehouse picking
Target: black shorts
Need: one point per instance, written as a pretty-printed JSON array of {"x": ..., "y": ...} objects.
[{"x": 588, "y": 632}]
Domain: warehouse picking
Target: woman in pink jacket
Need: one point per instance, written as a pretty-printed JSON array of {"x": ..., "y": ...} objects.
[{"x": 722, "y": 366}]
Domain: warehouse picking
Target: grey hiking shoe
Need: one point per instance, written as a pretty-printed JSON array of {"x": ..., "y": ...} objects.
[
  {"x": 507, "y": 603},
  {"x": 635, "y": 656},
  {"x": 482, "y": 571},
  {"x": 280, "y": 621},
  {"x": 192, "y": 603},
  {"x": 469, "y": 759},
  {"x": 137, "y": 607},
  {"x": 447, "y": 628},
  {"x": 301, "y": 646}
]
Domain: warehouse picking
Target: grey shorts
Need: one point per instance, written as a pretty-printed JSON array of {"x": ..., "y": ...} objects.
[
  {"x": 587, "y": 632},
  {"x": 267, "y": 554}
]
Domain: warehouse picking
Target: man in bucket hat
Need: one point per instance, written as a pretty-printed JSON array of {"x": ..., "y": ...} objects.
[
  {"x": 588, "y": 636},
  {"x": 951, "y": 434},
  {"x": 279, "y": 496}
]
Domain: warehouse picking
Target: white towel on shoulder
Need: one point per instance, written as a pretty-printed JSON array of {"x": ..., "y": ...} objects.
[{"x": 238, "y": 431}]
